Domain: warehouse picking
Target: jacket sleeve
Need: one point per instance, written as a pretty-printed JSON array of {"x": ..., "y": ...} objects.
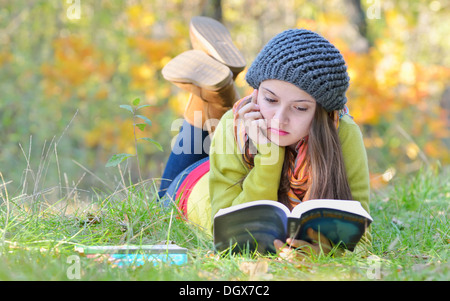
[
  {"x": 227, "y": 169},
  {"x": 357, "y": 169}
]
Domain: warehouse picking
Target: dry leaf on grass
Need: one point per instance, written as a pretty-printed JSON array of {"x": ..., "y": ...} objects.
[{"x": 256, "y": 270}]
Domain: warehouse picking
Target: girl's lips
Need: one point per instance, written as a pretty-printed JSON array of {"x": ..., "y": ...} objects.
[{"x": 279, "y": 132}]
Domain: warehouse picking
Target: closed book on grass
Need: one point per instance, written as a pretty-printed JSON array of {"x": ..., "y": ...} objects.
[
  {"x": 253, "y": 226},
  {"x": 138, "y": 254}
]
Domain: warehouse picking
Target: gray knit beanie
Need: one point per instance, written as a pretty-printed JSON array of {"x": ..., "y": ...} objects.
[{"x": 307, "y": 60}]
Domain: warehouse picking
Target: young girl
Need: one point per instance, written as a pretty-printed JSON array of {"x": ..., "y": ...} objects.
[{"x": 292, "y": 140}]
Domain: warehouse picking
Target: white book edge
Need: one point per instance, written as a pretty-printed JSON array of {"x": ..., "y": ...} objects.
[
  {"x": 342, "y": 205},
  {"x": 252, "y": 204}
]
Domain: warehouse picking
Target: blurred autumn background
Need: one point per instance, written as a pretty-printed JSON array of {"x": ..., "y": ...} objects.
[{"x": 66, "y": 66}]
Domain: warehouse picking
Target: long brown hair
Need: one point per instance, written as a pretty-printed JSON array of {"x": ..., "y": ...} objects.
[{"x": 328, "y": 178}]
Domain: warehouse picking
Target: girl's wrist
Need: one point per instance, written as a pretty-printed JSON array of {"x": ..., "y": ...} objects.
[{"x": 270, "y": 153}]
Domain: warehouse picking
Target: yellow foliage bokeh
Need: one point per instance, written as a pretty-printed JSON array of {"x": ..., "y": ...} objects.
[
  {"x": 75, "y": 63},
  {"x": 389, "y": 87}
]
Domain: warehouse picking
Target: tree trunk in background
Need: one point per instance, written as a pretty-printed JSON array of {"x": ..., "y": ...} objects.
[
  {"x": 212, "y": 9},
  {"x": 358, "y": 17}
]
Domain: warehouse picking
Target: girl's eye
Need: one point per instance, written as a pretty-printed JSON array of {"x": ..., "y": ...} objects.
[
  {"x": 301, "y": 109},
  {"x": 269, "y": 99}
]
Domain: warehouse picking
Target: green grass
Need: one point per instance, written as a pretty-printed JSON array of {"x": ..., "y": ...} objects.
[{"x": 411, "y": 236}]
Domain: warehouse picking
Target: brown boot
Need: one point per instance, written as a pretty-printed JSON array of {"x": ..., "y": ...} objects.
[
  {"x": 193, "y": 112},
  {"x": 214, "y": 39},
  {"x": 202, "y": 114},
  {"x": 210, "y": 82}
]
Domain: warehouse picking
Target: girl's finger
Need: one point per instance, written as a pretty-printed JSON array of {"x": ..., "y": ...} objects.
[
  {"x": 318, "y": 238},
  {"x": 254, "y": 115},
  {"x": 263, "y": 127},
  {"x": 255, "y": 96},
  {"x": 279, "y": 245},
  {"x": 250, "y": 107},
  {"x": 296, "y": 243}
]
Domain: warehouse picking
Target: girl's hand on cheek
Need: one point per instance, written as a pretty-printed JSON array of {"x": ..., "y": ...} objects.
[{"x": 255, "y": 124}]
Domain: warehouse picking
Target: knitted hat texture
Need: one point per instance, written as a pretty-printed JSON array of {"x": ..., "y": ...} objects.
[{"x": 306, "y": 60}]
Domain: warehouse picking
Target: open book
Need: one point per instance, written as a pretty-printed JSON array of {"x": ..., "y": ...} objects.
[{"x": 255, "y": 225}]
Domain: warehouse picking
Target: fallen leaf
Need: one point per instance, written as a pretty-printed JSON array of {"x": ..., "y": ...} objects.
[{"x": 256, "y": 270}]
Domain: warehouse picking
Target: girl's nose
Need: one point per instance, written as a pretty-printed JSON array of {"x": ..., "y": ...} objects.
[{"x": 281, "y": 116}]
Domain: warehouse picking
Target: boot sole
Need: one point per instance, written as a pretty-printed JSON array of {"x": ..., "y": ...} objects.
[
  {"x": 196, "y": 67},
  {"x": 213, "y": 38}
]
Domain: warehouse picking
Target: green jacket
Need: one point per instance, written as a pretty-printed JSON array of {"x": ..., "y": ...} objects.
[{"x": 227, "y": 169}]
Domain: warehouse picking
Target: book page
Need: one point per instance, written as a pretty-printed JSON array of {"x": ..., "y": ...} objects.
[
  {"x": 342, "y": 205},
  {"x": 253, "y": 203}
]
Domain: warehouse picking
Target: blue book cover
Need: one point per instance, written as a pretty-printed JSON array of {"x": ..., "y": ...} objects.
[{"x": 136, "y": 255}]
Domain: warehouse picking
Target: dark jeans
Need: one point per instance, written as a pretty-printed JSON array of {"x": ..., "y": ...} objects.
[{"x": 192, "y": 145}]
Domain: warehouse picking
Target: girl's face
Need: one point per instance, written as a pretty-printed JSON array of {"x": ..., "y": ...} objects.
[{"x": 288, "y": 110}]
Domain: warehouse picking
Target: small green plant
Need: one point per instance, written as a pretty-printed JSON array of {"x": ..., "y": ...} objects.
[{"x": 115, "y": 160}]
